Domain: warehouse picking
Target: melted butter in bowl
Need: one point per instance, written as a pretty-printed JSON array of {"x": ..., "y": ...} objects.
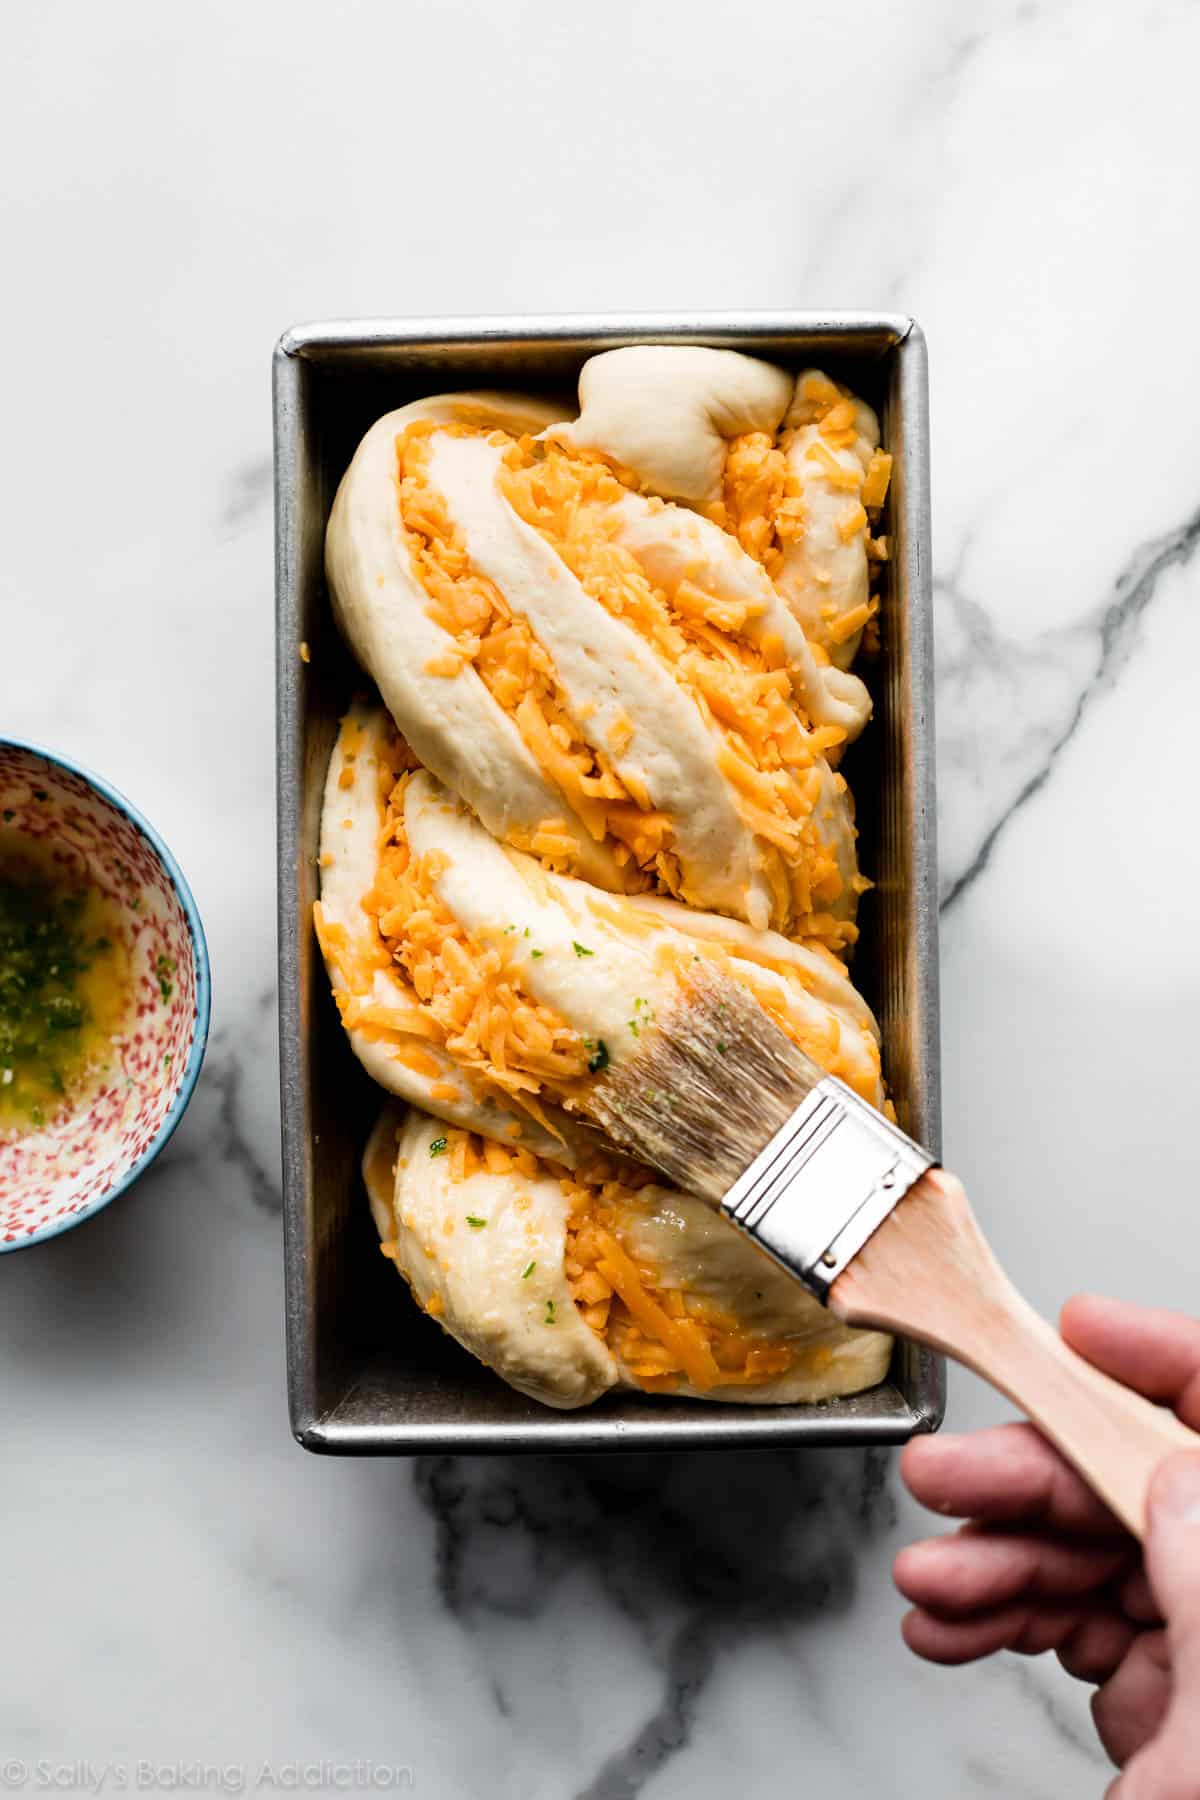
[
  {"x": 66, "y": 984},
  {"x": 104, "y": 994}
]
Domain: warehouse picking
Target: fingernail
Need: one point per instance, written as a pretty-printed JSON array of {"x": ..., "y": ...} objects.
[{"x": 1175, "y": 1490}]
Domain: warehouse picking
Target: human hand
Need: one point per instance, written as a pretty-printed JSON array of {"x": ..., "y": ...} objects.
[{"x": 1042, "y": 1564}]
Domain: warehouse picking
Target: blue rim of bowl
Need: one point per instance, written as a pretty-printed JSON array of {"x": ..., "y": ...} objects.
[{"x": 199, "y": 1041}]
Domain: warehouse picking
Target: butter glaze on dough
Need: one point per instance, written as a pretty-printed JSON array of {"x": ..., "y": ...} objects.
[{"x": 472, "y": 1277}]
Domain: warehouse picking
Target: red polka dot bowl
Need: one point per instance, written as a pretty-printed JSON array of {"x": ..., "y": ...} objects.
[{"x": 60, "y": 1174}]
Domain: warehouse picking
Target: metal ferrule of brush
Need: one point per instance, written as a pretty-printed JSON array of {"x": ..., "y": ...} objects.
[{"x": 827, "y": 1179}]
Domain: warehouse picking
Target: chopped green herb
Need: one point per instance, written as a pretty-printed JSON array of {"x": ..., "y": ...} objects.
[
  {"x": 581, "y": 949},
  {"x": 509, "y": 928},
  {"x": 638, "y": 1003},
  {"x": 633, "y": 1026},
  {"x": 536, "y": 953},
  {"x": 721, "y": 1048},
  {"x": 599, "y": 1058},
  {"x": 164, "y": 968},
  {"x": 527, "y": 1271},
  {"x": 549, "y": 1319},
  {"x": 527, "y": 931},
  {"x": 9, "y": 814},
  {"x": 439, "y": 1146},
  {"x": 60, "y": 1001},
  {"x": 475, "y": 1222}
]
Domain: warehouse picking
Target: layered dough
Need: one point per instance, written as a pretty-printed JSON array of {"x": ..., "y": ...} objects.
[
  {"x": 608, "y": 678},
  {"x": 834, "y": 457},
  {"x": 469, "y": 966},
  {"x": 570, "y": 1283},
  {"x": 454, "y": 726},
  {"x": 613, "y": 655}
]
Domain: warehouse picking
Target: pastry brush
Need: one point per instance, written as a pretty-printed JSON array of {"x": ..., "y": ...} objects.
[{"x": 730, "y": 1109}]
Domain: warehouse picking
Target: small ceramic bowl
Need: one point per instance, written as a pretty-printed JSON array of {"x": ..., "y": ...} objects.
[{"x": 64, "y": 1172}]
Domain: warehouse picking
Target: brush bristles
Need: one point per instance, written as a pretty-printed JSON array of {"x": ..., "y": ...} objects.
[{"x": 707, "y": 1088}]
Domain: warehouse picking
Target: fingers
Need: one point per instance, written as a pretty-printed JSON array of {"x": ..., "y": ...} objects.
[
  {"x": 1173, "y": 1566},
  {"x": 1148, "y": 1348},
  {"x": 979, "y": 1591},
  {"x": 987, "y": 1588},
  {"x": 1132, "y": 1704},
  {"x": 1028, "y": 1627},
  {"x": 973, "y": 1570},
  {"x": 1135, "y": 1599},
  {"x": 1090, "y": 1642},
  {"x": 1097, "y": 1646},
  {"x": 1155, "y": 1774},
  {"x": 1008, "y": 1474},
  {"x": 1173, "y": 1552}
]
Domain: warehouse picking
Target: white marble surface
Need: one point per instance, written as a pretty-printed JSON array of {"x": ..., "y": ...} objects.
[{"x": 180, "y": 1582}]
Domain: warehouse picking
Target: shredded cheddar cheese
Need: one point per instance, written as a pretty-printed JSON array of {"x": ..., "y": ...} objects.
[
  {"x": 838, "y": 474},
  {"x": 818, "y": 393},
  {"x": 448, "y": 665},
  {"x": 474, "y": 1001},
  {"x": 770, "y": 749},
  {"x": 736, "y": 679},
  {"x": 848, "y": 623},
  {"x": 878, "y": 477},
  {"x": 662, "y": 1333},
  {"x": 761, "y": 504},
  {"x": 506, "y": 655}
]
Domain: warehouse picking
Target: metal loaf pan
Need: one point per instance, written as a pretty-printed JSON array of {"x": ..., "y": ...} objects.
[{"x": 367, "y": 1371}]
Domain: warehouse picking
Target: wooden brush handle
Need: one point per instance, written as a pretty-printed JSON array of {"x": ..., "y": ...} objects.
[{"x": 929, "y": 1273}]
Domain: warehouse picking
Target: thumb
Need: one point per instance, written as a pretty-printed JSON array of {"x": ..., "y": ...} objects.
[{"x": 1172, "y": 1552}]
